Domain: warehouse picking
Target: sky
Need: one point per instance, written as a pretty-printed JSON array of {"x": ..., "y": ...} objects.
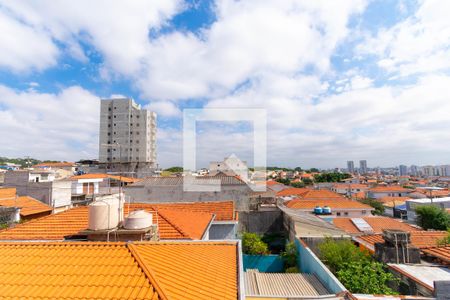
[{"x": 340, "y": 80}]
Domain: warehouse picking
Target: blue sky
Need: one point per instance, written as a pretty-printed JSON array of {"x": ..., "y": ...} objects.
[{"x": 341, "y": 80}]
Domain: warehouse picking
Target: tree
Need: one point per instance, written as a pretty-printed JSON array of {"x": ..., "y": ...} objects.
[
  {"x": 253, "y": 245},
  {"x": 284, "y": 181},
  {"x": 298, "y": 169},
  {"x": 432, "y": 217},
  {"x": 307, "y": 181},
  {"x": 445, "y": 241},
  {"x": 289, "y": 257},
  {"x": 368, "y": 277},
  {"x": 314, "y": 170},
  {"x": 174, "y": 169},
  {"x": 379, "y": 208},
  {"x": 298, "y": 184},
  {"x": 331, "y": 177},
  {"x": 336, "y": 254},
  {"x": 355, "y": 269}
]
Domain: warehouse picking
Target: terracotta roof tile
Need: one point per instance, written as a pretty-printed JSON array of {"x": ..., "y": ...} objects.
[
  {"x": 212, "y": 276},
  {"x": 442, "y": 253},
  {"x": 54, "y": 165},
  {"x": 377, "y": 223},
  {"x": 292, "y": 192},
  {"x": 71, "y": 271},
  {"x": 310, "y": 194},
  {"x": 333, "y": 204},
  {"x": 28, "y": 205},
  {"x": 174, "y": 221},
  {"x": 420, "y": 239},
  {"x": 169, "y": 270},
  {"x": 7, "y": 193}
]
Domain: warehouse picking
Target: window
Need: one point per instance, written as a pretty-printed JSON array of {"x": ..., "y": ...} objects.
[
  {"x": 114, "y": 124},
  {"x": 115, "y": 107},
  {"x": 109, "y": 133},
  {"x": 109, "y": 108},
  {"x": 114, "y": 132},
  {"x": 114, "y": 117},
  {"x": 109, "y": 117},
  {"x": 364, "y": 212},
  {"x": 345, "y": 213},
  {"x": 137, "y": 133},
  {"x": 338, "y": 214},
  {"x": 108, "y": 150},
  {"x": 109, "y": 125},
  {"x": 137, "y": 124},
  {"x": 114, "y": 149}
]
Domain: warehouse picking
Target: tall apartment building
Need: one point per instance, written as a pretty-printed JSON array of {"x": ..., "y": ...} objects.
[
  {"x": 363, "y": 166},
  {"x": 351, "y": 166},
  {"x": 403, "y": 170},
  {"x": 127, "y": 136},
  {"x": 414, "y": 170}
]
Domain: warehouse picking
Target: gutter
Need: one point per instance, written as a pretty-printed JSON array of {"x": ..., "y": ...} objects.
[
  {"x": 206, "y": 232},
  {"x": 241, "y": 281}
]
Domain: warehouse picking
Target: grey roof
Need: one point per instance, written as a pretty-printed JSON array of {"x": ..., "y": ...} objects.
[
  {"x": 171, "y": 181},
  {"x": 283, "y": 284},
  {"x": 426, "y": 274}
]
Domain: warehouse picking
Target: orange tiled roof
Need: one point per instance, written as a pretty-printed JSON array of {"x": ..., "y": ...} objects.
[
  {"x": 333, "y": 204},
  {"x": 7, "y": 193},
  {"x": 310, "y": 194},
  {"x": 434, "y": 193},
  {"x": 390, "y": 188},
  {"x": 119, "y": 270},
  {"x": 174, "y": 221},
  {"x": 377, "y": 223},
  {"x": 54, "y": 164},
  {"x": 292, "y": 191},
  {"x": 351, "y": 185},
  {"x": 212, "y": 276},
  {"x": 442, "y": 253},
  {"x": 28, "y": 205},
  {"x": 420, "y": 239}
]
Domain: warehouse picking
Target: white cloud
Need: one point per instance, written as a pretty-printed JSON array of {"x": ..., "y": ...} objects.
[
  {"x": 419, "y": 44},
  {"x": 118, "y": 30},
  {"x": 164, "y": 108},
  {"x": 49, "y": 126}
]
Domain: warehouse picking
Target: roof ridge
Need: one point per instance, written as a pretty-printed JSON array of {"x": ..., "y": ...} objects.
[
  {"x": 147, "y": 271},
  {"x": 179, "y": 227}
]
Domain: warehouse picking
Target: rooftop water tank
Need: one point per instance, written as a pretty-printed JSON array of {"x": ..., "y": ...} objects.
[
  {"x": 318, "y": 210},
  {"x": 105, "y": 213},
  {"x": 138, "y": 219},
  {"x": 326, "y": 210}
]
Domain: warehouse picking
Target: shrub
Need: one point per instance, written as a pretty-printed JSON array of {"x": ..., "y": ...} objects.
[
  {"x": 432, "y": 217},
  {"x": 289, "y": 256},
  {"x": 253, "y": 245},
  {"x": 379, "y": 208},
  {"x": 292, "y": 270},
  {"x": 337, "y": 253}
]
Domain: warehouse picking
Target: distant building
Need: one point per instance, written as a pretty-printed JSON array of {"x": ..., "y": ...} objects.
[
  {"x": 41, "y": 185},
  {"x": 428, "y": 171},
  {"x": 403, "y": 170},
  {"x": 414, "y": 170},
  {"x": 363, "y": 166},
  {"x": 127, "y": 137},
  {"x": 351, "y": 166},
  {"x": 231, "y": 165},
  {"x": 389, "y": 191}
]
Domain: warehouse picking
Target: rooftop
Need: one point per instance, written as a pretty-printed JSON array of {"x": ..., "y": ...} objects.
[
  {"x": 177, "y": 270},
  {"x": 310, "y": 194},
  {"x": 442, "y": 253},
  {"x": 423, "y": 274},
  {"x": 333, "y": 204},
  {"x": 174, "y": 221},
  {"x": 54, "y": 165},
  {"x": 7, "y": 193},
  {"x": 102, "y": 175},
  {"x": 176, "y": 181},
  {"x": 420, "y": 239},
  {"x": 391, "y": 188},
  {"x": 28, "y": 205},
  {"x": 377, "y": 224}
]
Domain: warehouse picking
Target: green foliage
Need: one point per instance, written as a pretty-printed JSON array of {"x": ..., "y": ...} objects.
[
  {"x": 444, "y": 241},
  {"x": 290, "y": 256},
  {"x": 253, "y": 245},
  {"x": 331, "y": 177},
  {"x": 174, "y": 169},
  {"x": 298, "y": 184},
  {"x": 307, "y": 181},
  {"x": 298, "y": 169},
  {"x": 367, "y": 277},
  {"x": 432, "y": 217},
  {"x": 283, "y": 181},
  {"x": 336, "y": 254},
  {"x": 355, "y": 269},
  {"x": 278, "y": 169},
  {"x": 3, "y": 226},
  {"x": 292, "y": 270},
  {"x": 20, "y": 161},
  {"x": 379, "y": 208},
  {"x": 314, "y": 170}
]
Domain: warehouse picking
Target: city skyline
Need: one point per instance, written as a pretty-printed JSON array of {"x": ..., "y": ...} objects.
[{"x": 338, "y": 82}]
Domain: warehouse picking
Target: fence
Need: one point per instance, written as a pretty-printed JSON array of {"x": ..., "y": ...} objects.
[{"x": 264, "y": 263}]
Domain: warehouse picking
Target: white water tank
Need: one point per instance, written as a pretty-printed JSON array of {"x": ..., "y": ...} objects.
[
  {"x": 105, "y": 213},
  {"x": 138, "y": 219}
]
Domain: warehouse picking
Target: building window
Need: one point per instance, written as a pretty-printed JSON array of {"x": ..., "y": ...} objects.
[
  {"x": 115, "y": 107},
  {"x": 137, "y": 133},
  {"x": 114, "y": 132},
  {"x": 109, "y": 117},
  {"x": 114, "y": 149},
  {"x": 109, "y": 125},
  {"x": 114, "y": 117},
  {"x": 108, "y": 150},
  {"x": 364, "y": 212},
  {"x": 109, "y": 133},
  {"x": 109, "y": 158},
  {"x": 114, "y": 124},
  {"x": 109, "y": 108},
  {"x": 345, "y": 213},
  {"x": 338, "y": 214}
]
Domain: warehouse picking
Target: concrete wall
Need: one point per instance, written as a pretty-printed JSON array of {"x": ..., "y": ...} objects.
[
  {"x": 223, "y": 231},
  {"x": 174, "y": 193},
  {"x": 261, "y": 222}
]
